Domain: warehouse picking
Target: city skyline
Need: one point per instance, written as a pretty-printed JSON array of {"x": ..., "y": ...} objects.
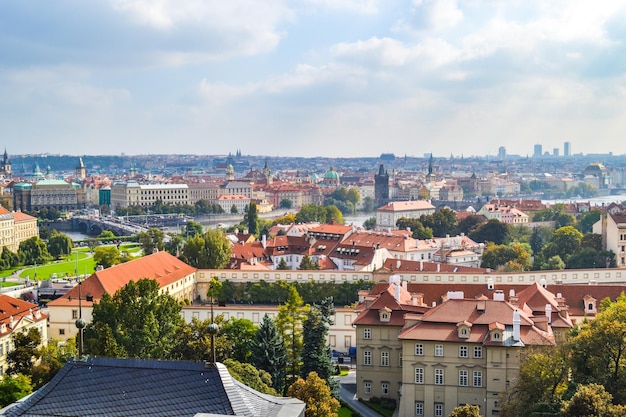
[{"x": 312, "y": 77}]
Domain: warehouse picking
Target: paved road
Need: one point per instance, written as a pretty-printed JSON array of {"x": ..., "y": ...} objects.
[{"x": 347, "y": 392}]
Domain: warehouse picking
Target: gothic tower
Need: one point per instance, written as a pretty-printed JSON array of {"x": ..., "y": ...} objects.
[{"x": 381, "y": 187}]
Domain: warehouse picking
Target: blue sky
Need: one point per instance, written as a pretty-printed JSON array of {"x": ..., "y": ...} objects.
[{"x": 335, "y": 78}]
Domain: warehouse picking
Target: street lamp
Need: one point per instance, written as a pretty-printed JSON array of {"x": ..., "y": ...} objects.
[{"x": 212, "y": 328}]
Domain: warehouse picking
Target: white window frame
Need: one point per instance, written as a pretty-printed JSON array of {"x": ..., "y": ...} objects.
[
  {"x": 367, "y": 357},
  {"x": 419, "y": 375},
  {"x": 438, "y": 409},
  {"x": 384, "y": 358},
  {"x": 419, "y": 349},
  {"x": 438, "y": 350},
  {"x": 477, "y": 378},
  {"x": 384, "y": 388},
  {"x": 463, "y": 351},
  {"x": 367, "y": 333},
  {"x": 367, "y": 387},
  {"x": 419, "y": 408},
  {"x": 439, "y": 376},
  {"x": 478, "y": 352},
  {"x": 463, "y": 378}
]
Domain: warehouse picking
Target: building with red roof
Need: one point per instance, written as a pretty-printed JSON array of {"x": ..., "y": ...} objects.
[
  {"x": 18, "y": 316},
  {"x": 173, "y": 276}
]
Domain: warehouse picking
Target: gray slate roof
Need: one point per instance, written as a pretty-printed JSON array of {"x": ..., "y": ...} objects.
[{"x": 132, "y": 387}]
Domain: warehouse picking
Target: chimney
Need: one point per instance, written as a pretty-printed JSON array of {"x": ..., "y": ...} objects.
[
  {"x": 264, "y": 241},
  {"x": 398, "y": 264},
  {"x": 549, "y": 313},
  {"x": 438, "y": 267},
  {"x": 405, "y": 285},
  {"x": 421, "y": 265},
  {"x": 516, "y": 326},
  {"x": 397, "y": 293},
  {"x": 498, "y": 295}
]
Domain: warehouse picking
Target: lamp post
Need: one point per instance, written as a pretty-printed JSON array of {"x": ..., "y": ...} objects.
[
  {"x": 212, "y": 328},
  {"x": 80, "y": 322}
]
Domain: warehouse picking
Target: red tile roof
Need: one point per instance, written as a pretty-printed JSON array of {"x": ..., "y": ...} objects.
[{"x": 161, "y": 266}]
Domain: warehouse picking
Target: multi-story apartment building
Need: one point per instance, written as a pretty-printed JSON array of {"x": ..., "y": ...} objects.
[
  {"x": 388, "y": 215},
  {"x": 18, "y": 316},
  {"x": 433, "y": 355},
  {"x": 16, "y": 227},
  {"x": 131, "y": 193}
]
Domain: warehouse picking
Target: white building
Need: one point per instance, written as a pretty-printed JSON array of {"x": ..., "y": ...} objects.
[{"x": 388, "y": 215}]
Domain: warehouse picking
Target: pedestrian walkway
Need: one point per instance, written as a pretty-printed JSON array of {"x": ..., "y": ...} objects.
[{"x": 347, "y": 392}]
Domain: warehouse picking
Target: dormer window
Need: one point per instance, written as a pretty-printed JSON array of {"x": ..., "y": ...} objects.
[
  {"x": 591, "y": 306},
  {"x": 384, "y": 315},
  {"x": 495, "y": 332},
  {"x": 463, "y": 329}
]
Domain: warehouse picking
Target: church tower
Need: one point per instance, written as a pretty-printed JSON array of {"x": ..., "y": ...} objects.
[
  {"x": 5, "y": 167},
  {"x": 81, "y": 171},
  {"x": 381, "y": 187}
]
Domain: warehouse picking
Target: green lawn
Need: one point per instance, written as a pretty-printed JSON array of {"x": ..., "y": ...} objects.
[{"x": 62, "y": 268}]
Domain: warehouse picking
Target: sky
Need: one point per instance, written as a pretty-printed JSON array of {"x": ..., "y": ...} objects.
[{"x": 332, "y": 78}]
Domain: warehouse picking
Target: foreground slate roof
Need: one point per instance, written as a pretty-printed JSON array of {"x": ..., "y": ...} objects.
[{"x": 132, "y": 387}]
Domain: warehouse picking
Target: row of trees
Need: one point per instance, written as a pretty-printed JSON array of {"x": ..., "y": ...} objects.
[
  {"x": 37, "y": 251},
  {"x": 585, "y": 376}
]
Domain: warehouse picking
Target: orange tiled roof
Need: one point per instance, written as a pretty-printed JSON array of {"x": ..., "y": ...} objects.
[{"x": 161, "y": 266}]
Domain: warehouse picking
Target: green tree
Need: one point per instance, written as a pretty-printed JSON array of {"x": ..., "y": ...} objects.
[
  {"x": 311, "y": 213},
  {"x": 234, "y": 209},
  {"x": 540, "y": 384},
  {"x": 192, "y": 228},
  {"x": 333, "y": 215},
  {"x": 590, "y": 401},
  {"x": 498, "y": 256},
  {"x": 282, "y": 265},
  {"x": 289, "y": 322},
  {"x": 564, "y": 242},
  {"x": 34, "y": 250},
  {"x": 143, "y": 322},
  {"x": 466, "y": 411},
  {"x": 9, "y": 259},
  {"x": 59, "y": 244},
  {"x": 307, "y": 264},
  {"x": 269, "y": 353},
  {"x": 216, "y": 248},
  {"x": 316, "y": 351},
  {"x": 14, "y": 388},
  {"x": 470, "y": 223},
  {"x": 418, "y": 230},
  {"x": 152, "y": 240},
  {"x": 210, "y": 251},
  {"x": 193, "y": 341},
  {"x": 598, "y": 350},
  {"x": 52, "y": 357},
  {"x": 553, "y": 263},
  {"x": 370, "y": 223},
  {"x": 174, "y": 244},
  {"x": 24, "y": 353},
  {"x": 493, "y": 231},
  {"x": 107, "y": 256},
  {"x": 317, "y": 396},
  {"x": 442, "y": 222},
  {"x": 239, "y": 334},
  {"x": 586, "y": 221},
  {"x": 285, "y": 203},
  {"x": 106, "y": 234},
  {"x": 251, "y": 218}
]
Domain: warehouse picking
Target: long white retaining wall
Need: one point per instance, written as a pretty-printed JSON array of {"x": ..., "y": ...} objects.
[{"x": 567, "y": 276}]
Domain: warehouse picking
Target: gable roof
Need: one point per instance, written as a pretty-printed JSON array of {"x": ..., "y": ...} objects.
[{"x": 132, "y": 387}]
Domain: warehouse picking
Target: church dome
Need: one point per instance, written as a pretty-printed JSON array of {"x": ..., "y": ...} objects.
[{"x": 331, "y": 174}]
